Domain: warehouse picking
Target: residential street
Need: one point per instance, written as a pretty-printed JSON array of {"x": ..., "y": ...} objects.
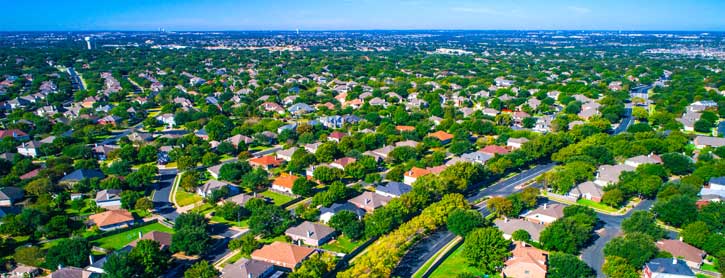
[
  {"x": 594, "y": 254},
  {"x": 428, "y": 247}
]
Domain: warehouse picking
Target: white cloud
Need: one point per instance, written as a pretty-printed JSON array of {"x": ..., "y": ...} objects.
[{"x": 579, "y": 10}]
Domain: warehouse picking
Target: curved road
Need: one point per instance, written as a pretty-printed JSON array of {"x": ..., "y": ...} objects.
[
  {"x": 425, "y": 249},
  {"x": 593, "y": 255}
]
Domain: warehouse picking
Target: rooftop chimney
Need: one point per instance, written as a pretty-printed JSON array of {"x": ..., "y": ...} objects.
[
  {"x": 309, "y": 233},
  {"x": 545, "y": 205},
  {"x": 90, "y": 258},
  {"x": 674, "y": 260},
  {"x": 680, "y": 238}
]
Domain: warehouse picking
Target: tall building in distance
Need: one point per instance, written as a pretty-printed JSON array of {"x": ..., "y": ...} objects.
[{"x": 88, "y": 42}]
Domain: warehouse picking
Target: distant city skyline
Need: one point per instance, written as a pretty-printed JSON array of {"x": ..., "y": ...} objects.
[{"x": 228, "y": 15}]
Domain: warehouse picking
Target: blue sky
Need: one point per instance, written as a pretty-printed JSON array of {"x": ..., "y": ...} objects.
[{"x": 701, "y": 15}]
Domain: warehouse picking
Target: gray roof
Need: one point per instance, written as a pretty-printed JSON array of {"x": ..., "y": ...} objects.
[
  {"x": 669, "y": 266},
  {"x": 108, "y": 194},
  {"x": 394, "y": 188},
  {"x": 70, "y": 272},
  {"x": 310, "y": 230},
  {"x": 338, "y": 207},
  {"x": 246, "y": 268},
  {"x": 11, "y": 193},
  {"x": 82, "y": 174},
  {"x": 512, "y": 225}
]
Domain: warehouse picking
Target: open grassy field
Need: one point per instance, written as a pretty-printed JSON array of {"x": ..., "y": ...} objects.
[
  {"x": 456, "y": 264},
  {"x": 277, "y": 198}
]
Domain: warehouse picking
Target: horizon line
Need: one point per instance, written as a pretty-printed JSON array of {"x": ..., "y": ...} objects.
[{"x": 361, "y": 30}]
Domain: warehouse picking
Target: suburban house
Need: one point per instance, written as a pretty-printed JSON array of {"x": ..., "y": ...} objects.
[
  {"x": 246, "y": 268},
  {"x": 587, "y": 190},
  {"x": 413, "y": 174},
  {"x": 516, "y": 143},
  {"x": 442, "y": 136},
  {"x": 310, "y": 233},
  {"x": 283, "y": 254},
  {"x": 341, "y": 163},
  {"x": 239, "y": 199},
  {"x": 81, "y": 174},
  {"x": 284, "y": 183},
  {"x": 691, "y": 255},
  {"x": 609, "y": 174},
  {"x": 73, "y": 272},
  {"x": 715, "y": 190},
  {"x": 164, "y": 239},
  {"x": 10, "y": 195},
  {"x": 336, "y": 136},
  {"x": 326, "y": 213},
  {"x": 493, "y": 150},
  {"x": 667, "y": 268},
  {"x": 30, "y": 148},
  {"x": 546, "y": 214},
  {"x": 112, "y": 219},
  {"x": 265, "y": 162},
  {"x": 708, "y": 141},
  {"x": 15, "y": 133},
  {"x": 369, "y": 201},
  {"x": 286, "y": 155},
  {"x": 109, "y": 198},
  {"x": 509, "y": 226},
  {"x": 643, "y": 159},
  {"x": 214, "y": 170},
  {"x": 210, "y": 186},
  {"x": 476, "y": 157},
  {"x": 393, "y": 189},
  {"x": 526, "y": 261}
]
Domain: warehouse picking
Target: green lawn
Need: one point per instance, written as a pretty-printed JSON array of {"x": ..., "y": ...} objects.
[
  {"x": 184, "y": 198},
  {"x": 455, "y": 264},
  {"x": 235, "y": 258},
  {"x": 277, "y": 198},
  {"x": 282, "y": 238},
  {"x": 120, "y": 240},
  {"x": 596, "y": 205},
  {"x": 708, "y": 267},
  {"x": 342, "y": 244},
  {"x": 241, "y": 224}
]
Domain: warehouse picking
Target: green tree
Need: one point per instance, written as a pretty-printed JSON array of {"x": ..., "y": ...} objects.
[
  {"x": 562, "y": 265},
  {"x": 677, "y": 163},
  {"x": 29, "y": 255},
  {"x": 246, "y": 244},
  {"x": 303, "y": 187},
  {"x": 521, "y": 235},
  {"x": 619, "y": 267},
  {"x": 348, "y": 223},
  {"x": 149, "y": 258},
  {"x": 695, "y": 233},
  {"x": 68, "y": 252},
  {"x": 118, "y": 265},
  {"x": 635, "y": 248},
  {"x": 317, "y": 265},
  {"x": 499, "y": 206},
  {"x": 270, "y": 221},
  {"x": 461, "y": 222},
  {"x": 201, "y": 269},
  {"x": 190, "y": 234},
  {"x": 643, "y": 222},
  {"x": 677, "y": 210},
  {"x": 486, "y": 249}
]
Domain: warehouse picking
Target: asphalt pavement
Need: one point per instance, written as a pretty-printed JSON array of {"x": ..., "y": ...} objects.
[
  {"x": 162, "y": 203},
  {"x": 593, "y": 255}
]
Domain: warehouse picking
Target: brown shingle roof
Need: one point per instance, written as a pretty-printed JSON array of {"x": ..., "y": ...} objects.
[
  {"x": 680, "y": 249},
  {"x": 282, "y": 254},
  {"x": 111, "y": 217}
]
